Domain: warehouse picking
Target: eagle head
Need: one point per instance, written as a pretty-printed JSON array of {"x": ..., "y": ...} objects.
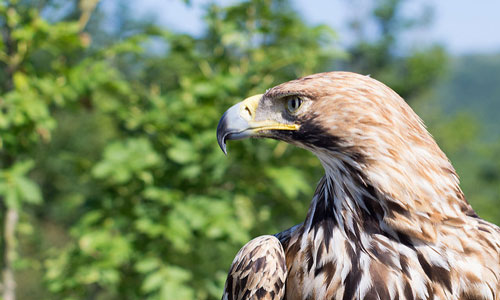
[
  {"x": 356, "y": 124},
  {"x": 342, "y": 113}
]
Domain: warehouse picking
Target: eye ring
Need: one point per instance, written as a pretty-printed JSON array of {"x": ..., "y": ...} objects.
[{"x": 293, "y": 104}]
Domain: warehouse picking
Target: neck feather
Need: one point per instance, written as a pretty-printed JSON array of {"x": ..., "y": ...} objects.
[
  {"x": 345, "y": 199},
  {"x": 349, "y": 199}
]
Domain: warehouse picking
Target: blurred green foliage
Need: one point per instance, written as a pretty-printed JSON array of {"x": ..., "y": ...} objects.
[{"x": 112, "y": 124}]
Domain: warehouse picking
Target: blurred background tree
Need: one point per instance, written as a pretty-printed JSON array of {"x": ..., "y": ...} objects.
[{"x": 111, "y": 119}]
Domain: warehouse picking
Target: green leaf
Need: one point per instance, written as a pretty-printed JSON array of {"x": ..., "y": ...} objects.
[
  {"x": 29, "y": 190},
  {"x": 289, "y": 180},
  {"x": 16, "y": 187},
  {"x": 182, "y": 151},
  {"x": 123, "y": 160},
  {"x": 153, "y": 281},
  {"x": 147, "y": 264}
]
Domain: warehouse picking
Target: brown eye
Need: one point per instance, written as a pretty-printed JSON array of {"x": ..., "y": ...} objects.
[{"x": 293, "y": 104}]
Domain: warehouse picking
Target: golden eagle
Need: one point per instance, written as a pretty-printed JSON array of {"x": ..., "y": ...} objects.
[{"x": 388, "y": 219}]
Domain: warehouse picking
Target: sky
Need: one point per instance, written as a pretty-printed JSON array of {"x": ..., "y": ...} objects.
[{"x": 462, "y": 26}]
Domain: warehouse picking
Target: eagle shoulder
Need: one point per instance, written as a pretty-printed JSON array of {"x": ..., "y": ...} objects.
[{"x": 258, "y": 271}]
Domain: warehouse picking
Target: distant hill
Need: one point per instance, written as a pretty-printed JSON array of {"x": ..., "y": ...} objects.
[{"x": 473, "y": 85}]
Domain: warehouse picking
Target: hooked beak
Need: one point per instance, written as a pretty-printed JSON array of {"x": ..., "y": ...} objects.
[{"x": 238, "y": 122}]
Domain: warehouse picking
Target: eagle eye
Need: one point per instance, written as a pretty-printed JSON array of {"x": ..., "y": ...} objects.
[{"x": 293, "y": 104}]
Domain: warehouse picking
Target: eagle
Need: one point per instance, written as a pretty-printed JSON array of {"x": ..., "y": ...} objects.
[{"x": 388, "y": 219}]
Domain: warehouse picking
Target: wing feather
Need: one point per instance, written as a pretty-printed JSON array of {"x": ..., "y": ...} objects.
[{"x": 258, "y": 271}]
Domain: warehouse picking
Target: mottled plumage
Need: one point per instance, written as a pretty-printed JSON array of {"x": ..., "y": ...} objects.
[
  {"x": 258, "y": 271},
  {"x": 388, "y": 220}
]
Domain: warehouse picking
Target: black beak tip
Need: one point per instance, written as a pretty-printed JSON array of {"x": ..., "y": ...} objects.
[
  {"x": 222, "y": 134},
  {"x": 222, "y": 145}
]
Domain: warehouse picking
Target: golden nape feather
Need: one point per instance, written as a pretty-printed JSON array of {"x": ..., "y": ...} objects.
[{"x": 387, "y": 221}]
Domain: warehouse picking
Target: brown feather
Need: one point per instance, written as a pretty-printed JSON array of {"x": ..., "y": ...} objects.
[{"x": 258, "y": 271}]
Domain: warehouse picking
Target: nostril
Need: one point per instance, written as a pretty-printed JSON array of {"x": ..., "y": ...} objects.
[{"x": 248, "y": 112}]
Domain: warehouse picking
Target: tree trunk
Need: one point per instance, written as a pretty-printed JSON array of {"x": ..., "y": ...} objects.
[{"x": 9, "y": 282}]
